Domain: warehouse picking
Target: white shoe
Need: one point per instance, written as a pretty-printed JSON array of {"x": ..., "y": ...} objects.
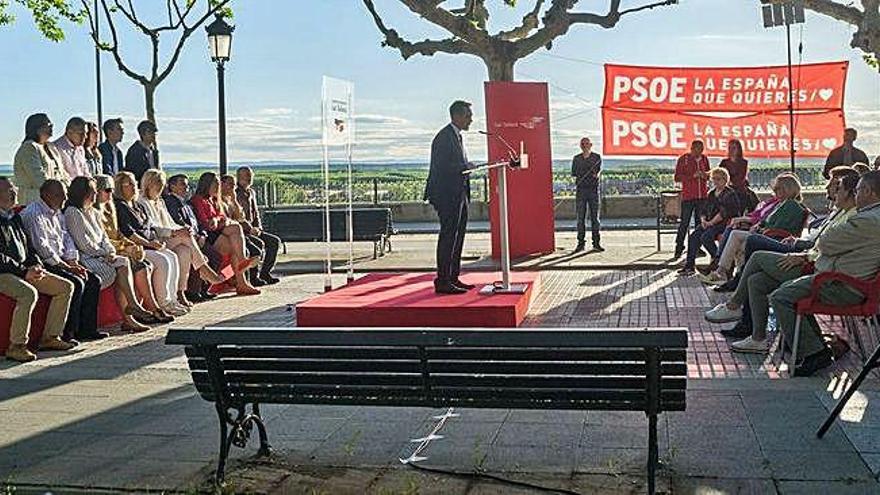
[
  {"x": 713, "y": 278},
  {"x": 723, "y": 314},
  {"x": 175, "y": 309},
  {"x": 750, "y": 345}
]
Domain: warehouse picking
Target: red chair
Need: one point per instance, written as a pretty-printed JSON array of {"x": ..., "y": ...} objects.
[
  {"x": 38, "y": 321},
  {"x": 867, "y": 309}
]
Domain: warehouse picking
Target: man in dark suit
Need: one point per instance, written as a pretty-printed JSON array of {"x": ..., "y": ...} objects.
[
  {"x": 448, "y": 191},
  {"x": 847, "y": 154},
  {"x": 111, "y": 155},
  {"x": 142, "y": 155},
  {"x": 183, "y": 214}
]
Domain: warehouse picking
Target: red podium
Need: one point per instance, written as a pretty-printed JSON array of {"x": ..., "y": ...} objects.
[{"x": 519, "y": 114}]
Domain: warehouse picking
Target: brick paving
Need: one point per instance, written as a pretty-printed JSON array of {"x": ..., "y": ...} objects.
[{"x": 121, "y": 414}]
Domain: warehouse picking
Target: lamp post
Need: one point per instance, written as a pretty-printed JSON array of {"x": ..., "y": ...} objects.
[{"x": 220, "y": 46}]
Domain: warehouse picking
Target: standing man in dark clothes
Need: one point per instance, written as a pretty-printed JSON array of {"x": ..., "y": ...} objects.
[
  {"x": 847, "y": 154},
  {"x": 143, "y": 155},
  {"x": 585, "y": 168},
  {"x": 111, "y": 156},
  {"x": 448, "y": 191},
  {"x": 692, "y": 171}
]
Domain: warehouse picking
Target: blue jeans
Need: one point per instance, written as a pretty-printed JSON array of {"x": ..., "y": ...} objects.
[{"x": 705, "y": 238}]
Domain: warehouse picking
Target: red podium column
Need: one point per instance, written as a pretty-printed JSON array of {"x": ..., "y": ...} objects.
[{"x": 519, "y": 112}]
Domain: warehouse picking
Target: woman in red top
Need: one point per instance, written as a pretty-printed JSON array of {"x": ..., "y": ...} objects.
[
  {"x": 738, "y": 168},
  {"x": 224, "y": 233},
  {"x": 692, "y": 171}
]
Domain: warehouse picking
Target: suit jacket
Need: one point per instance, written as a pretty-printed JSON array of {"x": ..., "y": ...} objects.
[
  {"x": 33, "y": 165},
  {"x": 446, "y": 185},
  {"x": 852, "y": 247},
  {"x": 137, "y": 159},
  {"x": 16, "y": 252},
  {"x": 182, "y": 213},
  {"x": 108, "y": 151}
]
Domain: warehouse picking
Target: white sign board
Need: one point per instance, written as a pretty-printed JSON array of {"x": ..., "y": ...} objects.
[{"x": 337, "y": 114}]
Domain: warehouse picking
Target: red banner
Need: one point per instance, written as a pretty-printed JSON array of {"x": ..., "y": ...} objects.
[
  {"x": 746, "y": 89},
  {"x": 664, "y": 133}
]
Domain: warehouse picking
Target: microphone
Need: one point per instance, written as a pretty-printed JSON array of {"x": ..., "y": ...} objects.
[{"x": 512, "y": 154}]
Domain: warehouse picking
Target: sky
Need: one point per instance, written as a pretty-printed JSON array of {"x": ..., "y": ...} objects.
[{"x": 281, "y": 49}]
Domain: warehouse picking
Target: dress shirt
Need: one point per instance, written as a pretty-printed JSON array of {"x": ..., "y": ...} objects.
[
  {"x": 73, "y": 158},
  {"x": 47, "y": 230},
  {"x": 247, "y": 198}
]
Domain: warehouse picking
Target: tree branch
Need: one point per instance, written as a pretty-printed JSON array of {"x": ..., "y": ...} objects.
[
  {"x": 831, "y": 8},
  {"x": 187, "y": 32},
  {"x": 427, "y": 47},
  {"x": 530, "y": 22}
]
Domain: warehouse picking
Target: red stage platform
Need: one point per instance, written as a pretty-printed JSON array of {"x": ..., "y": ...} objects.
[{"x": 408, "y": 300}]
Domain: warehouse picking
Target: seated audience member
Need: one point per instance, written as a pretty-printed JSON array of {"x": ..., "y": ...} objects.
[
  {"x": 37, "y": 160},
  {"x": 143, "y": 155},
  {"x": 247, "y": 198},
  {"x": 176, "y": 237},
  {"x": 183, "y": 214},
  {"x": 141, "y": 268},
  {"x": 135, "y": 225},
  {"x": 94, "y": 161},
  {"x": 722, "y": 205},
  {"x": 787, "y": 215},
  {"x": 98, "y": 255},
  {"x": 225, "y": 234},
  {"x": 70, "y": 147},
  {"x": 768, "y": 271},
  {"x": 47, "y": 231},
  {"x": 111, "y": 156},
  {"x": 23, "y": 279},
  {"x": 738, "y": 168},
  {"x": 877, "y": 163},
  {"x": 230, "y": 207},
  {"x": 760, "y": 242}
]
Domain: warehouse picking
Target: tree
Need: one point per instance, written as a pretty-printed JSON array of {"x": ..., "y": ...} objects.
[
  {"x": 866, "y": 22},
  {"x": 181, "y": 19},
  {"x": 501, "y": 50},
  {"x": 48, "y": 15}
]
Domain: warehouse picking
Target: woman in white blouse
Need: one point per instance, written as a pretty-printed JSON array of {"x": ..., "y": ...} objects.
[
  {"x": 98, "y": 255},
  {"x": 176, "y": 237},
  {"x": 135, "y": 225}
]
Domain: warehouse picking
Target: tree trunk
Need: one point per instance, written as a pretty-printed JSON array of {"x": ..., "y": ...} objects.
[
  {"x": 150, "y": 101},
  {"x": 500, "y": 69}
]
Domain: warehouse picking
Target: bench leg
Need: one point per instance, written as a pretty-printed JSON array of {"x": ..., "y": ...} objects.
[
  {"x": 265, "y": 450},
  {"x": 652, "y": 453},
  {"x": 224, "y": 446}
]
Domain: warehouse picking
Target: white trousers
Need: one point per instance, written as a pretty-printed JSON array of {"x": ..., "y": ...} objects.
[
  {"x": 188, "y": 256},
  {"x": 166, "y": 274},
  {"x": 734, "y": 251}
]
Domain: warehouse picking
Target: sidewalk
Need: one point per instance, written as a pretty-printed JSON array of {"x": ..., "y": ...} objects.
[{"x": 122, "y": 414}]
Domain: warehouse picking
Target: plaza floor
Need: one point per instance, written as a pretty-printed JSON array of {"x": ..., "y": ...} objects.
[{"x": 122, "y": 415}]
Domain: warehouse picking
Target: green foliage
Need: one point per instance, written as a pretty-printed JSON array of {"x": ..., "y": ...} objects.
[
  {"x": 871, "y": 60},
  {"x": 47, "y": 14}
]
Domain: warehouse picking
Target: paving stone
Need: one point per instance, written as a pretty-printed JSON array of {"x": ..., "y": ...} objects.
[
  {"x": 706, "y": 437},
  {"x": 719, "y": 462},
  {"x": 718, "y": 486},
  {"x": 817, "y": 466},
  {"x": 365, "y": 444},
  {"x": 800, "y": 437},
  {"x": 611, "y": 461},
  {"x": 602, "y": 436},
  {"x": 828, "y": 487},
  {"x": 411, "y": 481},
  {"x": 531, "y": 459},
  {"x": 536, "y": 434},
  {"x": 549, "y": 417}
]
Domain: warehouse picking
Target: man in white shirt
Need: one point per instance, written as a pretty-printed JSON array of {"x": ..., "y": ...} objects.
[
  {"x": 45, "y": 226},
  {"x": 70, "y": 146}
]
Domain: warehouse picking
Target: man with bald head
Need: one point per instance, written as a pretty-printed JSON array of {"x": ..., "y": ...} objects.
[
  {"x": 23, "y": 279},
  {"x": 585, "y": 168},
  {"x": 47, "y": 231}
]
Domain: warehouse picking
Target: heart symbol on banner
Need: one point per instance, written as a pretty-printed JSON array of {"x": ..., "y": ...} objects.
[
  {"x": 826, "y": 93},
  {"x": 829, "y": 143}
]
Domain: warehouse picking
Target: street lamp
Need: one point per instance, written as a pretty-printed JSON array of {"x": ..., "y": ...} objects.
[{"x": 220, "y": 46}]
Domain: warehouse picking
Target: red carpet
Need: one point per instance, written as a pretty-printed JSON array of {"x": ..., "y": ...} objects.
[{"x": 408, "y": 300}]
